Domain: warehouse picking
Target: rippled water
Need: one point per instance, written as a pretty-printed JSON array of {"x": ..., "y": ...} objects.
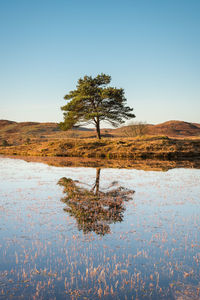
[{"x": 84, "y": 233}]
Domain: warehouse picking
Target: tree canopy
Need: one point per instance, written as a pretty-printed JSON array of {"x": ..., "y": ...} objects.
[{"x": 93, "y": 101}]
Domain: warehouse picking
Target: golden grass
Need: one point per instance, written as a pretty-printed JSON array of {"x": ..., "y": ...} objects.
[{"x": 118, "y": 148}]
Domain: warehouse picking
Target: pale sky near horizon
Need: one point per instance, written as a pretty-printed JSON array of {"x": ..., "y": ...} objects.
[{"x": 151, "y": 48}]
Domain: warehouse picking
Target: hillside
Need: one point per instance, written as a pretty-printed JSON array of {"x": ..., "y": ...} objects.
[
  {"x": 21, "y": 132},
  {"x": 175, "y": 128},
  {"x": 178, "y": 129},
  {"x": 17, "y": 133}
]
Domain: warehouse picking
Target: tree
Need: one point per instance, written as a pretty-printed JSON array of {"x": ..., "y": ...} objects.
[
  {"x": 93, "y": 102},
  {"x": 135, "y": 129}
]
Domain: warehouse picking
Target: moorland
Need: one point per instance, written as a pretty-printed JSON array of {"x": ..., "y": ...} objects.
[{"x": 169, "y": 140}]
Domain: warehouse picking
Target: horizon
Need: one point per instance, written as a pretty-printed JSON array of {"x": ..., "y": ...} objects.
[
  {"x": 150, "y": 49},
  {"x": 105, "y": 127}
]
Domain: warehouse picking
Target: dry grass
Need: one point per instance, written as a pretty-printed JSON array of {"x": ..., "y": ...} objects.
[
  {"x": 144, "y": 147},
  {"x": 31, "y": 132},
  {"x": 45, "y": 139}
]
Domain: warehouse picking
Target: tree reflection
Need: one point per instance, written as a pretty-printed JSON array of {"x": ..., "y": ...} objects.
[{"x": 94, "y": 209}]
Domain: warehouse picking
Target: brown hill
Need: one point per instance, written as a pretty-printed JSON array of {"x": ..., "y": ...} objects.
[
  {"x": 22, "y": 132},
  {"x": 174, "y": 128},
  {"x": 196, "y": 124},
  {"x": 6, "y": 123},
  {"x": 170, "y": 128}
]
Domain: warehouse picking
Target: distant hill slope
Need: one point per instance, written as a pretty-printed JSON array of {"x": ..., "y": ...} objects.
[
  {"x": 175, "y": 128},
  {"x": 26, "y": 127},
  {"x": 19, "y": 132},
  {"x": 169, "y": 128}
]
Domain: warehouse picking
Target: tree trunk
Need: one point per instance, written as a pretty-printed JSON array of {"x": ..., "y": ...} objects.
[{"x": 98, "y": 129}]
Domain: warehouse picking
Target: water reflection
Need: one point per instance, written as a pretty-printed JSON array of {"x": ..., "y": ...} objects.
[
  {"x": 95, "y": 209},
  {"x": 153, "y": 254},
  {"x": 145, "y": 164}
]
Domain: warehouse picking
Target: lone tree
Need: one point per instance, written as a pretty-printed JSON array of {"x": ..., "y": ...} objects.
[{"x": 93, "y": 102}]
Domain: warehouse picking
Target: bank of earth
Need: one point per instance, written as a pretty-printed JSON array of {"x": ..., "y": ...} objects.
[{"x": 155, "y": 147}]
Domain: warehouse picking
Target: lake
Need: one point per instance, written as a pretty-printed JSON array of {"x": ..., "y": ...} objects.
[{"x": 89, "y": 233}]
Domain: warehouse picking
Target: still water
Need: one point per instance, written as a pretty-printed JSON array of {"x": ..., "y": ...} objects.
[{"x": 89, "y": 233}]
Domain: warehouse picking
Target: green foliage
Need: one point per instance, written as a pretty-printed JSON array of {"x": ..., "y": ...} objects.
[{"x": 93, "y": 102}]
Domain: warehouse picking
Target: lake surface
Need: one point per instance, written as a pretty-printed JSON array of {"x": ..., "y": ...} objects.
[{"x": 89, "y": 233}]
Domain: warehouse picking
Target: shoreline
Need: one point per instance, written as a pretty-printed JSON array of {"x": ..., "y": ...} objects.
[{"x": 145, "y": 164}]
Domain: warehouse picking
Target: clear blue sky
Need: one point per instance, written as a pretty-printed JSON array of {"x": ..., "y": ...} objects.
[{"x": 150, "y": 48}]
